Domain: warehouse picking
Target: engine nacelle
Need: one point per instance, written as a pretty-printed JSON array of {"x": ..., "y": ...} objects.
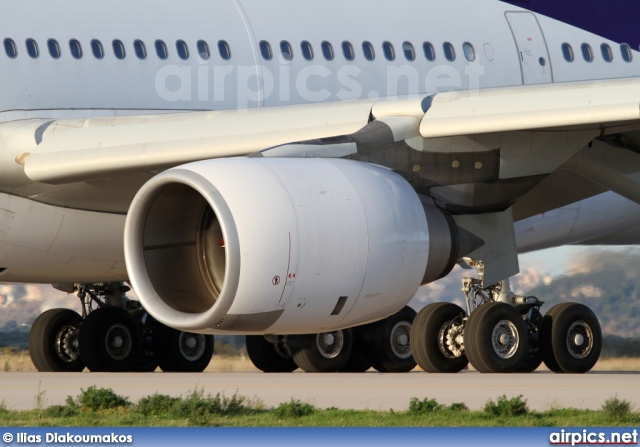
[{"x": 281, "y": 246}]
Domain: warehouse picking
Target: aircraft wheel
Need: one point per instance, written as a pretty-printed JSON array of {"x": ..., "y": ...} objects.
[
  {"x": 496, "y": 338},
  {"x": 268, "y": 357},
  {"x": 110, "y": 340},
  {"x": 179, "y": 351},
  {"x": 388, "y": 342},
  {"x": 435, "y": 338},
  {"x": 53, "y": 341},
  {"x": 358, "y": 360},
  {"x": 576, "y": 337},
  {"x": 546, "y": 346},
  {"x": 324, "y": 352}
]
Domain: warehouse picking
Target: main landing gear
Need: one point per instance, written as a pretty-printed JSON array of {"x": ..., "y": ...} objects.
[
  {"x": 113, "y": 334},
  {"x": 383, "y": 345},
  {"x": 504, "y": 333}
]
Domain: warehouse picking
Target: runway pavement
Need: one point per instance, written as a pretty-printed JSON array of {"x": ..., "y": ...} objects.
[{"x": 372, "y": 390}]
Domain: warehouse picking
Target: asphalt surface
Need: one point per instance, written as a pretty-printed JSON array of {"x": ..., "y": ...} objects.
[{"x": 370, "y": 390}]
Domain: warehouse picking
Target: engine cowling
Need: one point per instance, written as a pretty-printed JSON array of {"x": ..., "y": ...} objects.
[{"x": 283, "y": 246}]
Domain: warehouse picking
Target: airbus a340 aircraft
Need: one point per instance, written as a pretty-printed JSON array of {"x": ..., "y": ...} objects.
[{"x": 294, "y": 171}]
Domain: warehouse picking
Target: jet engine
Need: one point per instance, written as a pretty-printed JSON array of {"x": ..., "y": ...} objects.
[{"x": 282, "y": 245}]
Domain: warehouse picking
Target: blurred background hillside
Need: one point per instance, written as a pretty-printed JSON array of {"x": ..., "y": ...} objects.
[{"x": 605, "y": 279}]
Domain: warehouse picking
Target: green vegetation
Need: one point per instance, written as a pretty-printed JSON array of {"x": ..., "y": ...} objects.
[
  {"x": 617, "y": 410},
  {"x": 504, "y": 407},
  {"x": 426, "y": 406},
  {"x": 102, "y": 407}
]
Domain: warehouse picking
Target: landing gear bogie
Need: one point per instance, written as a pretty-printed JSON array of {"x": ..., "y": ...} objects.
[{"x": 113, "y": 334}]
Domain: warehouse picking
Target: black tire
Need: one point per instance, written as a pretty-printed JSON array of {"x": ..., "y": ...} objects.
[
  {"x": 110, "y": 341},
  {"x": 483, "y": 336},
  {"x": 358, "y": 360},
  {"x": 314, "y": 353},
  {"x": 546, "y": 345},
  {"x": 52, "y": 341},
  {"x": 388, "y": 342},
  {"x": 428, "y": 343},
  {"x": 148, "y": 362},
  {"x": 267, "y": 357},
  {"x": 531, "y": 363},
  {"x": 576, "y": 338},
  {"x": 178, "y": 351}
]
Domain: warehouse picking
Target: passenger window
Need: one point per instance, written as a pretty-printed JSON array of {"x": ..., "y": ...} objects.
[
  {"x": 449, "y": 51},
  {"x": 286, "y": 50},
  {"x": 429, "y": 51},
  {"x": 567, "y": 52},
  {"x": 10, "y": 48},
  {"x": 161, "y": 49},
  {"x": 203, "y": 50},
  {"x": 409, "y": 52},
  {"x": 32, "y": 48},
  {"x": 54, "y": 48},
  {"x": 307, "y": 50},
  {"x": 587, "y": 52},
  {"x": 389, "y": 52},
  {"x": 140, "y": 49},
  {"x": 183, "y": 50},
  {"x": 607, "y": 54},
  {"x": 224, "y": 49},
  {"x": 369, "y": 52},
  {"x": 97, "y": 49},
  {"x": 625, "y": 50},
  {"x": 348, "y": 51},
  {"x": 469, "y": 52},
  {"x": 118, "y": 49},
  {"x": 76, "y": 49},
  {"x": 327, "y": 50},
  {"x": 265, "y": 50}
]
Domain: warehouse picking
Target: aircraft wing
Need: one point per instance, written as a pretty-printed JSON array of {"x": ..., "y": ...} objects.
[
  {"x": 80, "y": 150},
  {"x": 72, "y": 150},
  {"x": 595, "y": 103}
]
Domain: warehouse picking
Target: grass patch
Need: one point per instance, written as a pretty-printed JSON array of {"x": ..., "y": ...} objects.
[
  {"x": 102, "y": 407},
  {"x": 616, "y": 409},
  {"x": 507, "y": 407},
  {"x": 293, "y": 409}
]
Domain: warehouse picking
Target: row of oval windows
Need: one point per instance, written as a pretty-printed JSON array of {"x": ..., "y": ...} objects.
[
  {"x": 139, "y": 47},
  {"x": 605, "y": 50},
  {"x": 286, "y": 50},
  {"x": 368, "y": 50}
]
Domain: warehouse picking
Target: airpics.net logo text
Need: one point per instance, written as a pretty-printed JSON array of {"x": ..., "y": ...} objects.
[{"x": 588, "y": 437}]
